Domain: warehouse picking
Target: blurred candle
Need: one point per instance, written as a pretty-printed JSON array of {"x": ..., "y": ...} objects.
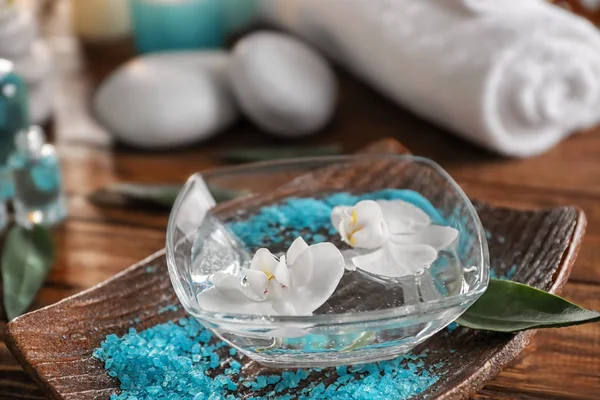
[
  {"x": 177, "y": 24},
  {"x": 101, "y": 20},
  {"x": 239, "y": 14},
  {"x": 14, "y": 116},
  {"x": 39, "y": 196}
]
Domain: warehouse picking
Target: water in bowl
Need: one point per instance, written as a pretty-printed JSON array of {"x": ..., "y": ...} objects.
[{"x": 216, "y": 248}]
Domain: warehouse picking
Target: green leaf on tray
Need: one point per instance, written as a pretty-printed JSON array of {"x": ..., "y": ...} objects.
[
  {"x": 224, "y": 194},
  {"x": 26, "y": 260},
  {"x": 509, "y": 306},
  {"x": 160, "y": 195},
  {"x": 254, "y": 154}
]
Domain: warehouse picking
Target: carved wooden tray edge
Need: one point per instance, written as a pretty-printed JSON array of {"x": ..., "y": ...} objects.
[{"x": 509, "y": 352}]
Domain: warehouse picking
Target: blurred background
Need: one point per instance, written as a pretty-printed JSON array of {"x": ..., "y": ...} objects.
[{"x": 505, "y": 95}]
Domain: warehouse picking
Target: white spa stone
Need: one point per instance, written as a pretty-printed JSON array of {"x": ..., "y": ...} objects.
[
  {"x": 282, "y": 85},
  {"x": 167, "y": 100}
]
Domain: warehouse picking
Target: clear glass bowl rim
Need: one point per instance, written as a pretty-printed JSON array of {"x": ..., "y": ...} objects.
[{"x": 343, "y": 318}]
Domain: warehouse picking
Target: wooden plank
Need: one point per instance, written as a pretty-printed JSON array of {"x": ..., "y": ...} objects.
[
  {"x": 14, "y": 382},
  {"x": 88, "y": 253},
  {"x": 586, "y": 268},
  {"x": 562, "y": 363}
]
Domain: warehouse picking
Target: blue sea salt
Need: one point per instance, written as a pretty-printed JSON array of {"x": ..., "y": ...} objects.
[
  {"x": 184, "y": 361},
  {"x": 168, "y": 308},
  {"x": 452, "y": 327},
  {"x": 311, "y": 217},
  {"x": 511, "y": 272},
  {"x": 175, "y": 361}
]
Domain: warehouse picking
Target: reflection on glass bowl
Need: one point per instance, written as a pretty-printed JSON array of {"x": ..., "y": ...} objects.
[{"x": 369, "y": 317}]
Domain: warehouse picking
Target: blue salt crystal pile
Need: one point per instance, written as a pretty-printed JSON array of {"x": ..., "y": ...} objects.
[
  {"x": 167, "y": 308},
  {"x": 184, "y": 361},
  {"x": 310, "y": 217},
  {"x": 508, "y": 275}
]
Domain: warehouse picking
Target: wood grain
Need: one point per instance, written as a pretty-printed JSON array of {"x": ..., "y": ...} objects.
[
  {"x": 552, "y": 366},
  {"x": 543, "y": 245}
]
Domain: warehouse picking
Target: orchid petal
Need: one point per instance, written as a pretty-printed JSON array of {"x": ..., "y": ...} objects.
[
  {"x": 348, "y": 257},
  {"x": 337, "y": 215},
  {"x": 229, "y": 285},
  {"x": 254, "y": 284},
  {"x": 367, "y": 212},
  {"x": 396, "y": 260},
  {"x": 343, "y": 231},
  {"x": 436, "y": 236},
  {"x": 310, "y": 291},
  {"x": 284, "y": 308},
  {"x": 301, "y": 269},
  {"x": 413, "y": 258},
  {"x": 371, "y": 237},
  {"x": 216, "y": 301},
  {"x": 361, "y": 226},
  {"x": 297, "y": 247},
  {"x": 378, "y": 262},
  {"x": 264, "y": 261},
  {"x": 275, "y": 291},
  {"x": 401, "y": 216},
  {"x": 281, "y": 274}
]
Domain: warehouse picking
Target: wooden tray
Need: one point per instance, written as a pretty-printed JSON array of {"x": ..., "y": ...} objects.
[{"x": 55, "y": 344}]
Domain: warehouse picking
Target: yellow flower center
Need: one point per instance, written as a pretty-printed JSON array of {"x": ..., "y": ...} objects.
[{"x": 350, "y": 235}]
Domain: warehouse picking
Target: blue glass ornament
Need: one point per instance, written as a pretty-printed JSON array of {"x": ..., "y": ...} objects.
[{"x": 35, "y": 169}]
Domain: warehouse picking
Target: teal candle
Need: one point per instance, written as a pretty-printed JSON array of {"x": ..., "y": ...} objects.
[
  {"x": 160, "y": 25},
  {"x": 14, "y": 117}
]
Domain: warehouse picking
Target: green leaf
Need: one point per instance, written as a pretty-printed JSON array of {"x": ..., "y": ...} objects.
[
  {"x": 26, "y": 260},
  {"x": 254, "y": 154},
  {"x": 160, "y": 195},
  {"x": 509, "y": 306},
  {"x": 157, "y": 195},
  {"x": 224, "y": 194}
]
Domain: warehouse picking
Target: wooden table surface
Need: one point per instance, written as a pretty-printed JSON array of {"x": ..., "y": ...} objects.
[{"x": 96, "y": 243}]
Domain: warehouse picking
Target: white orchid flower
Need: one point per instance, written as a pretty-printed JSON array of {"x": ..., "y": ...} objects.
[
  {"x": 402, "y": 237},
  {"x": 295, "y": 284},
  {"x": 361, "y": 226}
]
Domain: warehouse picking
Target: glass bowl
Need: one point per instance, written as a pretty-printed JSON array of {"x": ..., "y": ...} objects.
[{"x": 368, "y": 318}]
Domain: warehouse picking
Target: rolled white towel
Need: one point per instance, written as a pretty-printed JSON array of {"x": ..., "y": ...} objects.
[
  {"x": 491, "y": 6},
  {"x": 514, "y": 76},
  {"x": 36, "y": 64},
  {"x": 17, "y": 31}
]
